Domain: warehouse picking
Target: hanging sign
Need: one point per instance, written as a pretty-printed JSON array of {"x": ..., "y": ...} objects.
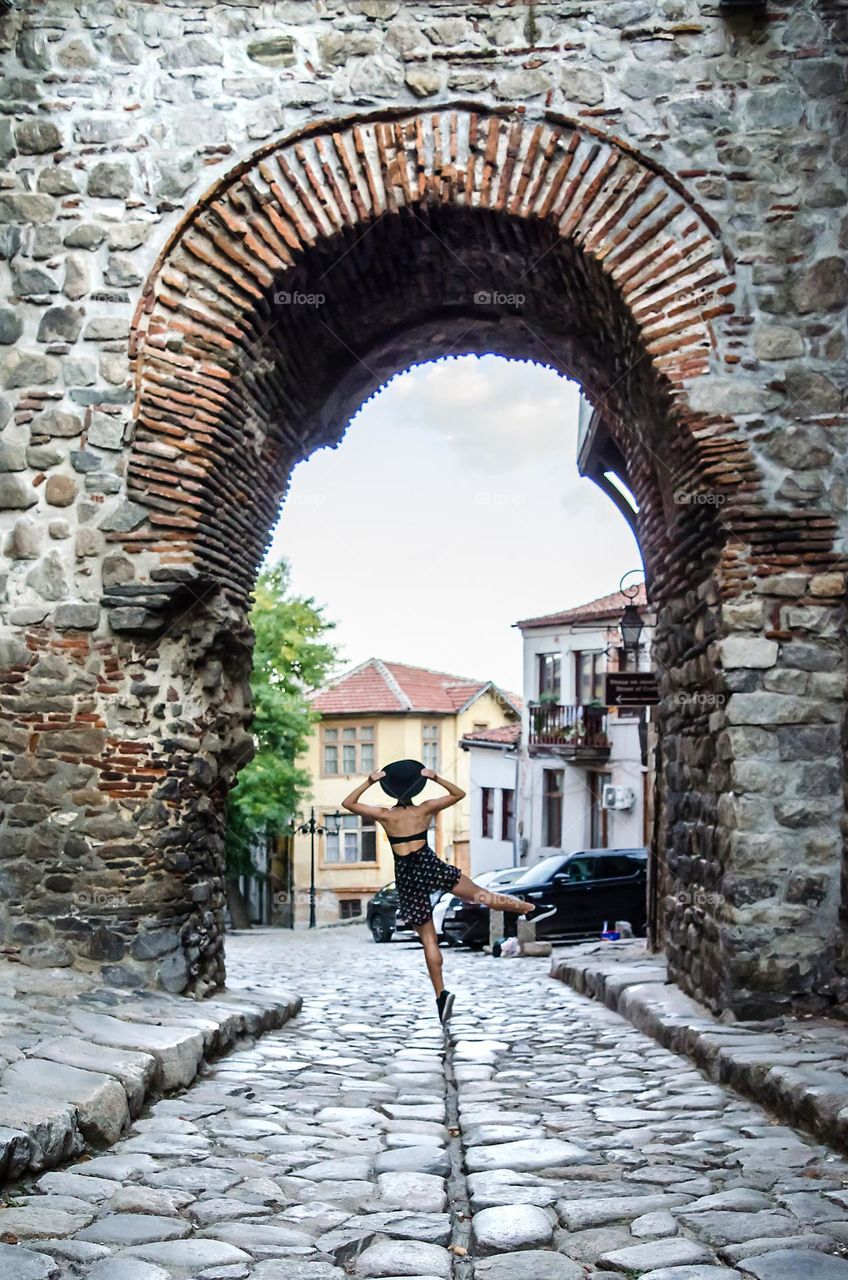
[{"x": 632, "y": 689}]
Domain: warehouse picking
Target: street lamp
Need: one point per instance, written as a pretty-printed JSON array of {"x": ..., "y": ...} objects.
[
  {"x": 315, "y": 828},
  {"x": 631, "y": 626}
]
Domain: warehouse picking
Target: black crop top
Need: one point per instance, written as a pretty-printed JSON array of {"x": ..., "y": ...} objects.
[{"x": 419, "y": 835}]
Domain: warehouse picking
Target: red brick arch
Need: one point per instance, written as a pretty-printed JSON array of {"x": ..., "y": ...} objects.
[{"x": 232, "y": 387}]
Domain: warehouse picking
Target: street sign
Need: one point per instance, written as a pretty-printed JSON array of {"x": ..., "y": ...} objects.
[{"x": 632, "y": 689}]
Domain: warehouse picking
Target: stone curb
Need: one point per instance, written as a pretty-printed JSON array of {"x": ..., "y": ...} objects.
[
  {"x": 797, "y": 1070},
  {"x": 78, "y": 1088}
]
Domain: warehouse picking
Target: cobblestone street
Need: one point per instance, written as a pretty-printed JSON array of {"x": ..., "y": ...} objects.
[{"x": 543, "y": 1139}]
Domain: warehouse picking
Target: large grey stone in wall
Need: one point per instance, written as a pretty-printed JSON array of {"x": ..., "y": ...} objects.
[{"x": 16, "y": 491}]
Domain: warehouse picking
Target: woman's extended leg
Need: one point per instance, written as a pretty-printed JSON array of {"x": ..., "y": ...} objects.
[
  {"x": 471, "y": 892},
  {"x": 432, "y": 954}
]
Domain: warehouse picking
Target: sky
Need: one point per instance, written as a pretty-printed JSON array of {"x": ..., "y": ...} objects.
[{"x": 452, "y": 508}]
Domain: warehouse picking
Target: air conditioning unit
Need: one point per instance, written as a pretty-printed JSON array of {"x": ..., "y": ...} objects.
[{"x": 617, "y": 797}]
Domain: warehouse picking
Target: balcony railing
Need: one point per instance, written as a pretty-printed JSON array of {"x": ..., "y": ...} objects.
[{"x": 574, "y": 731}]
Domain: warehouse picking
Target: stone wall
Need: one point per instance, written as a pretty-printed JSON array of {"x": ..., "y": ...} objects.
[{"x": 661, "y": 184}]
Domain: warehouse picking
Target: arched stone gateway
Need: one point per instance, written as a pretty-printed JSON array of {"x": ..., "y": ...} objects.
[{"x": 321, "y": 265}]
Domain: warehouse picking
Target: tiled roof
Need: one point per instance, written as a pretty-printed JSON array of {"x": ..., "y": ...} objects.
[
  {"x": 610, "y": 606},
  {"x": 376, "y": 686},
  {"x": 502, "y": 733}
]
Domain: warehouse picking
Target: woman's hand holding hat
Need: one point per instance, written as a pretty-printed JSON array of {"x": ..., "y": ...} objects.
[{"x": 376, "y": 774}]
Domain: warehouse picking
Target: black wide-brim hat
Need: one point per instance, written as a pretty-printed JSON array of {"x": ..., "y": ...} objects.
[{"x": 403, "y": 779}]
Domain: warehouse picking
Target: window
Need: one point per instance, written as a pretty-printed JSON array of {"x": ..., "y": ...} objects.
[
  {"x": 348, "y": 748},
  {"x": 349, "y": 908},
  {"x": 477, "y": 726},
  {"x": 331, "y": 751},
  {"x": 356, "y": 840},
  {"x": 552, "y": 808},
  {"x": 589, "y": 677},
  {"x": 612, "y": 868},
  {"x": 487, "y": 812},
  {"x": 548, "y": 676},
  {"x": 582, "y": 870},
  {"x": 507, "y": 813},
  {"x": 430, "y": 746}
]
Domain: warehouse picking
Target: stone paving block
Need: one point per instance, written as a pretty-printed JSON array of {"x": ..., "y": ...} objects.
[
  {"x": 512, "y": 1227},
  {"x": 795, "y": 1264},
  {"x": 697, "y": 1272},
  {"x": 100, "y": 1101},
  {"x": 18, "y": 1263},
  {"x": 190, "y": 1255},
  {"x": 647, "y": 1257},
  {"x": 14, "y": 1152},
  {"x": 121, "y": 1229},
  {"x": 735, "y": 1253},
  {"x": 29, "y": 1223},
  {"x": 541, "y": 1153},
  {"x": 530, "y": 1264},
  {"x": 52, "y": 1127},
  {"x": 126, "y": 1269},
  {"x": 577, "y": 1215},
  {"x": 177, "y": 1050},
  {"x": 135, "y": 1071},
  {"x": 395, "y": 1258}
]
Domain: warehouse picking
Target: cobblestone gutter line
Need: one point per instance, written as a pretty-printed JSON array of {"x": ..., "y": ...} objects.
[
  {"x": 457, "y": 1187},
  {"x": 76, "y": 1070},
  {"x": 797, "y": 1069}
]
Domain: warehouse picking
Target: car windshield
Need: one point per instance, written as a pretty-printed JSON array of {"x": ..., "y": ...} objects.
[
  {"x": 540, "y": 872},
  {"x": 505, "y": 876}
]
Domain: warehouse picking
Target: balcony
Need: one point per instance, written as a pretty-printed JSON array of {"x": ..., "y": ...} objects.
[{"x": 574, "y": 733}]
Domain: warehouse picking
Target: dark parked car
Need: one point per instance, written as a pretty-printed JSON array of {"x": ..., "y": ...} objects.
[
  {"x": 381, "y": 914},
  {"x": 588, "y": 889}
]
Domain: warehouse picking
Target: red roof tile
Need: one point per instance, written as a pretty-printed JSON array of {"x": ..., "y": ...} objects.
[
  {"x": 502, "y": 733},
  {"x": 610, "y": 606},
  {"x": 376, "y": 686}
]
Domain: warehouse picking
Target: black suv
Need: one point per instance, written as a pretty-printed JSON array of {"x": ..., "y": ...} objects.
[{"x": 588, "y": 889}]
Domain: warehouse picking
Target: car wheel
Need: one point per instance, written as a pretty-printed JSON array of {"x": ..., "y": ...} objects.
[{"x": 380, "y": 930}]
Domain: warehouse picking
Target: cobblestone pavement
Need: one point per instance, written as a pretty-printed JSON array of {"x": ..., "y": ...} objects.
[{"x": 543, "y": 1139}]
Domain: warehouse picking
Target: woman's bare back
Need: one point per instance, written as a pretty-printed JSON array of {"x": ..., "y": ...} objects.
[{"x": 405, "y": 820}]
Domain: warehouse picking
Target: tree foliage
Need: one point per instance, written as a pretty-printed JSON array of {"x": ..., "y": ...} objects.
[{"x": 291, "y": 658}]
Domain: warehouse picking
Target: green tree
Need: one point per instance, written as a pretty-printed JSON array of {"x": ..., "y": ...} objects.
[{"x": 291, "y": 658}]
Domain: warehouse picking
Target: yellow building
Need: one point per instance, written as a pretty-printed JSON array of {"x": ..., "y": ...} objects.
[{"x": 377, "y": 712}]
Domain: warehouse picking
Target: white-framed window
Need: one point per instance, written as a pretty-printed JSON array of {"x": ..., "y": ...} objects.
[
  {"x": 347, "y": 748},
  {"x": 548, "y": 673},
  {"x": 355, "y": 841},
  {"x": 430, "y": 746}
]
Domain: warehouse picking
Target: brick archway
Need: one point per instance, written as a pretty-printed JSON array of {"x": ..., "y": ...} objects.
[
  {"x": 578, "y": 219},
  {"x": 323, "y": 264}
]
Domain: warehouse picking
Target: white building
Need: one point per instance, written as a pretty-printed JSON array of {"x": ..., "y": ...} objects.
[
  {"x": 492, "y": 771},
  {"x": 572, "y": 748}
]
